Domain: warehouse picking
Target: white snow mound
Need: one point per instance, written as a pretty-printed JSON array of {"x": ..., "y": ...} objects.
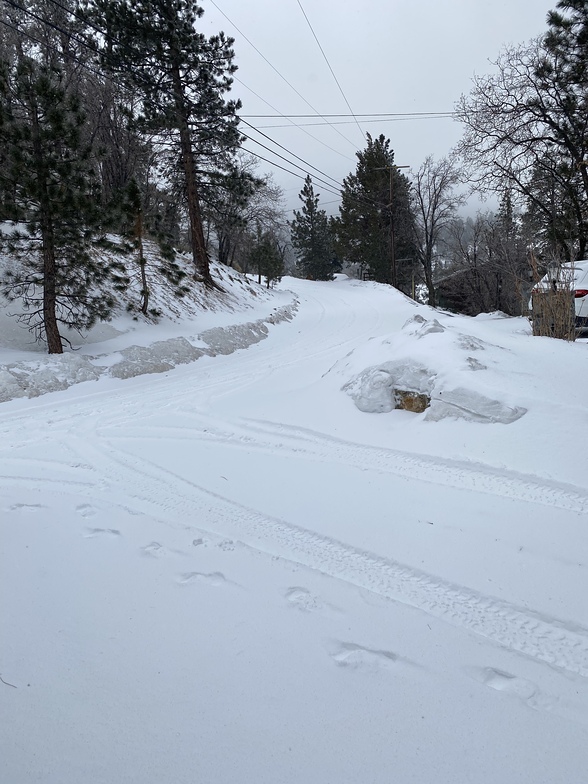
[{"x": 434, "y": 360}]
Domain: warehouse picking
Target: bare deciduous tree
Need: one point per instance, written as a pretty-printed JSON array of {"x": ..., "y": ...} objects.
[
  {"x": 435, "y": 204},
  {"x": 528, "y": 122}
]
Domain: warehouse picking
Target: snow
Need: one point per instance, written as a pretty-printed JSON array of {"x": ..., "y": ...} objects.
[
  {"x": 432, "y": 366},
  {"x": 227, "y": 558}
]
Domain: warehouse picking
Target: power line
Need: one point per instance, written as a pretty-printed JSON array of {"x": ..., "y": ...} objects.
[
  {"x": 365, "y": 122},
  {"x": 273, "y": 141},
  {"x": 289, "y": 171},
  {"x": 357, "y": 199},
  {"x": 296, "y": 125},
  {"x": 299, "y": 94},
  {"x": 327, "y": 186},
  {"x": 46, "y": 22},
  {"x": 28, "y": 35},
  {"x": 330, "y": 68},
  {"x": 96, "y": 51},
  {"x": 367, "y": 114},
  {"x": 82, "y": 18},
  {"x": 283, "y": 158}
]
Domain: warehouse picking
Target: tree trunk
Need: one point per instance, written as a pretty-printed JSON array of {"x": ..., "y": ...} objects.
[
  {"x": 197, "y": 242},
  {"x": 430, "y": 286},
  {"x": 54, "y": 342},
  {"x": 144, "y": 286},
  {"x": 426, "y": 258}
]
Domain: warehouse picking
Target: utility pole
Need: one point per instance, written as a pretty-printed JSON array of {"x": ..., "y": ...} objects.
[{"x": 391, "y": 208}]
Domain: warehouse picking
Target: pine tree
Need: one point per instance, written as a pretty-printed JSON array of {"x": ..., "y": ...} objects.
[
  {"x": 311, "y": 236},
  {"x": 137, "y": 215},
  {"x": 563, "y": 78},
  {"x": 49, "y": 196},
  {"x": 227, "y": 206},
  {"x": 374, "y": 227},
  {"x": 181, "y": 77},
  {"x": 266, "y": 258}
]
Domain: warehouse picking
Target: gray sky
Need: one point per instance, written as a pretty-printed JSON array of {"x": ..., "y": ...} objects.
[{"x": 389, "y": 56}]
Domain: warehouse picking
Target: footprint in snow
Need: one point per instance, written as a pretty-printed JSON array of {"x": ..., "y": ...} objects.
[
  {"x": 154, "y": 550},
  {"x": 214, "y": 578},
  {"x": 525, "y": 690},
  {"x": 356, "y": 657},
  {"x": 303, "y": 600},
  {"x": 26, "y": 507},
  {"x": 86, "y": 510},
  {"x": 93, "y": 532}
]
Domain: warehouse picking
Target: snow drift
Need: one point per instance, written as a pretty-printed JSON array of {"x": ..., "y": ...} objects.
[{"x": 428, "y": 359}]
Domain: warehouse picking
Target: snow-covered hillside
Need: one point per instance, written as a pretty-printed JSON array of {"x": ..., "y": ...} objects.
[{"x": 249, "y": 567}]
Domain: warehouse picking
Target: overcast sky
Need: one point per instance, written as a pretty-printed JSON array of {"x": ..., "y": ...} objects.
[{"x": 389, "y": 56}]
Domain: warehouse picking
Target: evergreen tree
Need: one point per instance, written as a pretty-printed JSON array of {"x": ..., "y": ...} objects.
[
  {"x": 181, "y": 76},
  {"x": 240, "y": 206},
  {"x": 266, "y": 258},
  {"x": 374, "y": 227},
  {"x": 311, "y": 236},
  {"x": 49, "y": 197},
  {"x": 227, "y": 208}
]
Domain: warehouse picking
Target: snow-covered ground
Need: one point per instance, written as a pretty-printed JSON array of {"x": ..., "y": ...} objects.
[{"x": 249, "y": 567}]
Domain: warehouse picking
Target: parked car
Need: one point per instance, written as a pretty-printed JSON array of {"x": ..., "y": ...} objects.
[{"x": 572, "y": 277}]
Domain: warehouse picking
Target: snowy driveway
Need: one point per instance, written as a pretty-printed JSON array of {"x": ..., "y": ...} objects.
[{"x": 228, "y": 573}]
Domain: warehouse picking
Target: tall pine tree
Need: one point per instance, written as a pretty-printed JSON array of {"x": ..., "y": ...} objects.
[
  {"x": 374, "y": 227},
  {"x": 181, "y": 76},
  {"x": 48, "y": 196},
  {"x": 311, "y": 236}
]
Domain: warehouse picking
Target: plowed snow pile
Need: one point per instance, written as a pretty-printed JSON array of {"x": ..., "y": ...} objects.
[{"x": 434, "y": 361}]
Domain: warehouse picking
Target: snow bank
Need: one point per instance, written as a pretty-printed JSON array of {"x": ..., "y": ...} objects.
[
  {"x": 157, "y": 358},
  {"x": 31, "y": 378},
  {"x": 429, "y": 359},
  {"x": 47, "y": 374}
]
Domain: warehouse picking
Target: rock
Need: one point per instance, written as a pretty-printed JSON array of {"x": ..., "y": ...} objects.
[{"x": 415, "y": 402}]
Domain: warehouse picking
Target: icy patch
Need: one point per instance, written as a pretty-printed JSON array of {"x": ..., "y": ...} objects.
[
  {"x": 49, "y": 374},
  {"x": 226, "y": 340},
  {"x": 157, "y": 358},
  {"x": 10, "y": 387}
]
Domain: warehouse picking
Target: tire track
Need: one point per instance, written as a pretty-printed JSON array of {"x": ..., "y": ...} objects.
[
  {"x": 241, "y": 374},
  {"x": 532, "y": 634},
  {"x": 310, "y": 445}
]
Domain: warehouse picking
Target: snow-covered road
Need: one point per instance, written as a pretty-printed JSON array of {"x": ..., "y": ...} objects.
[{"x": 229, "y": 573}]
